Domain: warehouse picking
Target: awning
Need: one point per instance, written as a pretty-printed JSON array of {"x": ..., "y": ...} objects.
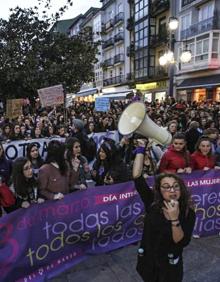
[
  {"x": 200, "y": 82},
  {"x": 116, "y": 96},
  {"x": 86, "y": 92}
]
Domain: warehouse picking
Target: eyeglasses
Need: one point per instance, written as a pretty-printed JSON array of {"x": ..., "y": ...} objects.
[{"x": 168, "y": 188}]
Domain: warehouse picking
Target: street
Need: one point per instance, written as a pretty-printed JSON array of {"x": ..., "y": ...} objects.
[{"x": 201, "y": 264}]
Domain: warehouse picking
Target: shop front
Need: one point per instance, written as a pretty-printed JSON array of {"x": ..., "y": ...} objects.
[
  {"x": 153, "y": 90},
  {"x": 200, "y": 89}
]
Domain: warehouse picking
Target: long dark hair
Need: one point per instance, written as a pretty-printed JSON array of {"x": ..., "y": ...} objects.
[
  {"x": 185, "y": 201},
  {"x": 20, "y": 182},
  {"x": 55, "y": 153},
  {"x": 29, "y": 148},
  {"x": 69, "y": 149}
]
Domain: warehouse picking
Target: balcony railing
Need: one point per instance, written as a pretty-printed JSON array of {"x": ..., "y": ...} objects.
[
  {"x": 108, "y": 43},
  {"x": 130, "y": 24},
  {"x": 130, "y": 76},
  {"x": 200, "y": 27},
  {"x": 160, "y": 71},
  {"x": 119, "y": 17},
  {"x": 109, "y": 24},
  {"x": 187, "y": 2},
  {"x": 114, "y": 80},
  {"x": 119, "y": 58},
  {"x": 108, "y": 62},
  {"x": 130, "y": 51},
  {"x": 119, "y": 36},
  {"x": 159, "y": 6},
  {"x": 160, "y": 38}
]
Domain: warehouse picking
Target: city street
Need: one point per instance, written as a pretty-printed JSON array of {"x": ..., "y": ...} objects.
[{"x": 201, "y": 259}]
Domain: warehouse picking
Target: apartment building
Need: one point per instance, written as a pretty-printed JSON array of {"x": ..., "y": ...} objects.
[
  {"x": 199, "y": 79},
  {"x": 97, "y": 37},
  {"x": 117, "y": 66},
  {"x": 151, "y": 38}
]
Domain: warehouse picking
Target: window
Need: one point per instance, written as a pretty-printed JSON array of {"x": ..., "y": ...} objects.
[
  {"x": 206, "y": 11},
  {"x": 185, "y": 22},
  {"x": 202, "y": 49},
  {"x": 215, "y": 48}
]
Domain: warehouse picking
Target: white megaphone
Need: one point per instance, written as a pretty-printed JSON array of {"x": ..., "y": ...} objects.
[{"x": 135, "y": 119}]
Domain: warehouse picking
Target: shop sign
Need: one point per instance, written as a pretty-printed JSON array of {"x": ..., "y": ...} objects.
[{"x": 151, "y": 85}]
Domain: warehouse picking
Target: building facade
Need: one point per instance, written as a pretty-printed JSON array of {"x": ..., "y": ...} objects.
[
  {"x": 199, "y": 80},
  {"x": 116, "y": 40},
  {"x": 151, "y": 39}
]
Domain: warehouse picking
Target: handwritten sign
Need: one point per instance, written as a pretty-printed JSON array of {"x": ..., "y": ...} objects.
[
  {"x": 51, "y": 96},
  {"x": 14, "y": 108},
  {"x": 102, "y": 104}
]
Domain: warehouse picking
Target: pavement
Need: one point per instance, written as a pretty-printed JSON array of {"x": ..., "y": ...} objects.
[{"x": 201, "y": 264}]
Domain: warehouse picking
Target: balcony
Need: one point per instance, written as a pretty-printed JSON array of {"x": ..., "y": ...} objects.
[
  {"x": 130, "y": 51},
  {"x": 130, "y": 76},
  {"x": 119, "y": 18},
  {"x": 187, "y": 2},
  {"x": 108, "y": 63},
  {"x": 200, "y": 27},
  {"x": 109, "y": 25},
  {"x": 130, "y": 24},
  {"x": 159, "y": 6},
  {"x": 118, "y": 59},
  {"x": 160, "y": 71},
  {"x": 119, "y": 37},
  {"x": 114, "y": 80},
  {"x": 108, "y": 43},
  {"x": 159, "y": 39}
]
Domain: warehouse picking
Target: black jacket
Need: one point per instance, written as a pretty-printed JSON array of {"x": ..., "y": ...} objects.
[{"x": 162, "y": 259}]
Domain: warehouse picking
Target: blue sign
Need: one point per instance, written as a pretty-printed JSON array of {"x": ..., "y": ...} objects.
[{"x": 102, "y": 104}]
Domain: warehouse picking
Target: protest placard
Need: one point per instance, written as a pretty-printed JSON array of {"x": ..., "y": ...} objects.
[
  {"x": 14, "y": 108},
  {"x": 102, "y": 104},
  {"x": 51, "y": 96}
]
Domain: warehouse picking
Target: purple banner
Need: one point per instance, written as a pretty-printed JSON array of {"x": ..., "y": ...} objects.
[
  {"x": 40, "y": 242},
  {"x": 205, "y": 191}
]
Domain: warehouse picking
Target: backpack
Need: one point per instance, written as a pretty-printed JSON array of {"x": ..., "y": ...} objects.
[{"x": 90, "y": 148}]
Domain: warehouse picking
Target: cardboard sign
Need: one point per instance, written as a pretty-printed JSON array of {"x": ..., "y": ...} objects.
[
  {"x": 14, "y": 108},
  {"x": 51, "y": 96}
]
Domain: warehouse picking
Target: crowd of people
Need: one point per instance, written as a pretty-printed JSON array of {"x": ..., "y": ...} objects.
[
  {"x": 68, "y": 168},
  {"x": 195, "y": 146}
]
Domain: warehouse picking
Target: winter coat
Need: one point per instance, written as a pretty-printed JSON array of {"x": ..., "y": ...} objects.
[
  {"x": 199, "y": 161},
  {"x": 172, "y": 160}
]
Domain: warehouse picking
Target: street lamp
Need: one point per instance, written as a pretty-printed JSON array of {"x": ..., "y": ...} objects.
[{"x": 168, "y": 57}]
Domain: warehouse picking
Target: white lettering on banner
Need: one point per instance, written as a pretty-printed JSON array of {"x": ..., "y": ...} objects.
[{"x": 16, "y": 149}]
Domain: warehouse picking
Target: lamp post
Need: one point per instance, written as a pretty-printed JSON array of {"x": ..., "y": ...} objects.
[{"x": 168, "y": 57}]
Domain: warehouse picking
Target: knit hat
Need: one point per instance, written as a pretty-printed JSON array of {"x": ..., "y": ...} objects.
[{"x": 78, "y": 123}]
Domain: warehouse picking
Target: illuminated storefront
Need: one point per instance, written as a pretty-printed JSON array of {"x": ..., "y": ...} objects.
[{"x": 153, "y": 90}]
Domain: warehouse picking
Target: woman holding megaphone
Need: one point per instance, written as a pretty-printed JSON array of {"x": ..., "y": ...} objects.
[{"x": 168, "y": 224}]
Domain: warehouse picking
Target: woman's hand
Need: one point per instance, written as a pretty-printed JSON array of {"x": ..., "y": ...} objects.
[
  {"x": 25, "y": 204},
  {"x": 180, "y": 170},
  {"x": 75, "y": 163},
  {"x": 108, "y": 180},
  {"x": 171, "y": 210},
  {"x": 40, "y": 200},
  {"x": 217, "y": 167},
  {"x": 188, "y": 169},
  {"x": 58, "y": 196},
  {"x": 206, "y": 168}
]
